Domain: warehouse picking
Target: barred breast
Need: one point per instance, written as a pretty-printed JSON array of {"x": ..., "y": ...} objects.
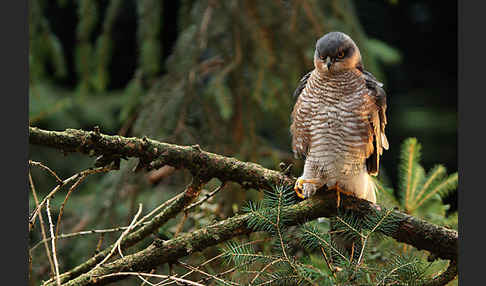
[{"x": 333, "y": 113}]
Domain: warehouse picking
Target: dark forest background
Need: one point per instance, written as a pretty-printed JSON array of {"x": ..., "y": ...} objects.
[
  {"x": 221, "y": 74},
  {"x": 420, "y": 75}
]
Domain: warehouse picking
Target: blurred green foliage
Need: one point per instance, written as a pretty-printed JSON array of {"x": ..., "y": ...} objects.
[
  {"x": 215, "y": 73},
  {"x": 310, "y": 256}
]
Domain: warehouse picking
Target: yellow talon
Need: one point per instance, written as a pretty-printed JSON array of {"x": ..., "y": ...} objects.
[
  {"x": 299, "y": 186},
  {"x": 339, "y": 190}
]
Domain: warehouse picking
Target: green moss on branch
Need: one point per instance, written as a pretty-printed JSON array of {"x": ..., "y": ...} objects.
[
  {"x": 155, "y": 154},
  {"x": 441, "y": 241},
  {"x": 205, "y": 165}
]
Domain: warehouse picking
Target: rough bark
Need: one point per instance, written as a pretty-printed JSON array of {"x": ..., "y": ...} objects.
[
  {"x": 410, "y": 230},
  {"x": 174, "y": 208},
  {"x": 416, "y": 232},
  {"x": 154, "y": 154},
  {"x": 445, "y": 277}
]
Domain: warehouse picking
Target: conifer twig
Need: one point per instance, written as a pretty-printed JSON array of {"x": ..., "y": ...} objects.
[
  {"x": 190, "y": 267},
  {"x": 42, "y": 226},
  {"x": 393, "y": 271},
  {"x": 80, "y": 233},
  {"x": 189, "y": 282},
  {"x": 34, "y": 163},
  {"x": 410, "y": 162},
  {"x": 431, "y": 177},
  {"x": 64, "y": 183},
  {"x": 169, "y": 210},
  {"x": 326, "y": 259},
  {"x": 163, "y": 283},
  {"x": 158, "y": 154},
  {"x": 365, "y": 238},
  {"x": 61, "y": 209},
  {"x": 206, "y": 197},
  {"x": 434, "y": 191},
  {"x": 269, "y": 282},
  {"x": 328, "y": 245},
  {"x": 410, "y": 230},
  {"x": 265, "y": 268},
  {"x": 145, "y": 281},
  {"x": 118, "y": 242},
  {"x": 53, "y": 242}
]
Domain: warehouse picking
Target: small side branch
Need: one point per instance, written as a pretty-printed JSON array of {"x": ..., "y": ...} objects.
[
  {"x": 203, "y": 165},
  {"x": 154, "y": 154},
  {"x": 409, "y": 230},
  {"x": 170, "y": 210},
  {"x": 53, "y": 242}
]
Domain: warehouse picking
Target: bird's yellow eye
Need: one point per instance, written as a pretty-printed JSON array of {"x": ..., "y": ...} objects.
[{"x": 340, "y": 54}]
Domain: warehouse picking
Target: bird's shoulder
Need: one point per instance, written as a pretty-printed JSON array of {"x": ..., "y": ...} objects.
[
  {"x": 374, "y": 87},
  {"x": 302, "y": 84}
]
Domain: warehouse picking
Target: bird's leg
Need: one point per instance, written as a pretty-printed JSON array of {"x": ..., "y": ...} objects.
[
  {"x": 310, "y": 181},
  {"x": 299, "y": 186},
  {"x": 338, "y": 191}
]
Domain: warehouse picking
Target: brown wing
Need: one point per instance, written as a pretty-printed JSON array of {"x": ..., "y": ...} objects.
[
  {"x": 378, "y": 121},
  {"x": 300, "y": 118}
]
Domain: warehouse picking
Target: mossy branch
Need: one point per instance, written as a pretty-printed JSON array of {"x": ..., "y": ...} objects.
[
  {"x": 416, "y": 232},
  {"x": 154, "y": 154},
  {"x": 445, "y": 277},
  {"x": 413, "y": 231}
]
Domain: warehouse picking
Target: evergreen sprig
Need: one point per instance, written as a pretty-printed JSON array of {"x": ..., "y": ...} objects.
[
  {"x": 420, "y": 192},
  {"x": 408, "y": 269},
  {"x": 324, "y": 261},
  {"x": 280, "y": 268},
  {"x": 241, "y": 254},
  {"x": 268, "y": 214}
]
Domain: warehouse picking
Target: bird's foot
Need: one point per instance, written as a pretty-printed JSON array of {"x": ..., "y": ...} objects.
[
  {"x": 339, "y": 190},
  {"x": 307, "y": 190}
]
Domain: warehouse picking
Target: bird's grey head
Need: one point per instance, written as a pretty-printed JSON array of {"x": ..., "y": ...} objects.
[{"x": 336, "y": 52}]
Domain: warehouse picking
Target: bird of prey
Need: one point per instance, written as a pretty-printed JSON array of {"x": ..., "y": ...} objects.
[{"x": 338, "y": 121}]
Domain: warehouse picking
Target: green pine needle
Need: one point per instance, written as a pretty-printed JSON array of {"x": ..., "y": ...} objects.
[{"x": 409, "y": 160}]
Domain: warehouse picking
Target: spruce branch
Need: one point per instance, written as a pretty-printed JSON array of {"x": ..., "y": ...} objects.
[
  {"x": 42, "y": 226},
  {"x": 409, "y": 157},
  {"x": 81, "y": 233},
  {"x": 416, "y": 232},
  {"x": 176, "y": 205},
  {"x": 158, "y": 154},
  {"x": 413, "y": 231},
  {"x": 53, "y": 243}
]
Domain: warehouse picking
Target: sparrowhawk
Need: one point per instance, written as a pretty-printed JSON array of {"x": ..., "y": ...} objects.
[{"x": 338, "y": 121}]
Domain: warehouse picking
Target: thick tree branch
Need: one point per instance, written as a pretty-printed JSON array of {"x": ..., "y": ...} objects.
[
  {"x": 409, "y": 230},
  {"x": 418, "y": 233},
  {"x": 173, "y": 208},
  {"x": 445, "y": 277},
  {"x": 154, "y": 154}
]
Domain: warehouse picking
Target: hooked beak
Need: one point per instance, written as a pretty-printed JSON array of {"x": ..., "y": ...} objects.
[{"x": 329, "y": 62}]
